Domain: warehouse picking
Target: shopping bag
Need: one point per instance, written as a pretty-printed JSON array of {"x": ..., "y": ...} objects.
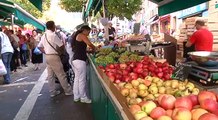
[
  {"x": 37, "y": 51},
  {"x": 3, "y": 70}
]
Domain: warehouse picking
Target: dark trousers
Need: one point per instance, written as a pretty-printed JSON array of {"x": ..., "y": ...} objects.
[{"x": 23, "y": 56}]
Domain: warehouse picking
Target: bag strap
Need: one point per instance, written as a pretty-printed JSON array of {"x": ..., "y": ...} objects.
[{"x": 50, "y": 44}]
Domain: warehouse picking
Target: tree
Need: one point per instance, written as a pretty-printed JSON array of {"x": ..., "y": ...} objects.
[
  {"x": 72, "y": 5},
  {"x": 29, "y": 7},
  {"x": 119, "y": 8}
]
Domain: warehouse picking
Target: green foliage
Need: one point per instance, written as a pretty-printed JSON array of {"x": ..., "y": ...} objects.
[
  {"x": 123, "y": 8},
  {"x": 119, "y": 8},
  {"x": 29, "y": 7},
  {"x": 72, "y": 5}
]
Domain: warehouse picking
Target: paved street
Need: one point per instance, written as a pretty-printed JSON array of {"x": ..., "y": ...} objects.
[{"x": 27, "y": 98}]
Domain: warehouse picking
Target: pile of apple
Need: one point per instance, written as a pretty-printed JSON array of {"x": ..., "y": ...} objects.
[
  {"x": 203, "y": 106},
  {"x": 150, "y": 88},
  {"x": 126, "y": 72}
]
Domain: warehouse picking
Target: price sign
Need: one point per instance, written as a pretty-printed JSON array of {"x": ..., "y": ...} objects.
[{"x": 181, "y": 72}]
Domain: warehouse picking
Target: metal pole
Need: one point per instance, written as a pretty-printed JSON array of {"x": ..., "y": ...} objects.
[
  {"x": 104, "y": 16},
  {"x": 12, "y": 21}
]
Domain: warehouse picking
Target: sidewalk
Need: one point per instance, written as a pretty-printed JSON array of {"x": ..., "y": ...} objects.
[{"x": 20, "y": 72}]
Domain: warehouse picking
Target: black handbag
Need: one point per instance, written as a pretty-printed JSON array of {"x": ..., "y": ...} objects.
[{"x": 61, "y": 52}]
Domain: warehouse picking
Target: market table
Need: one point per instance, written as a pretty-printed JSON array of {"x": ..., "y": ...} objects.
[{"x": 105, "y": 105}]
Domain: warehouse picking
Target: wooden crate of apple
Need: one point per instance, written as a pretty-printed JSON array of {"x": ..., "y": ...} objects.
[
  {"x": 126, "y": 72},
  {"x": 203, "y": 106},
  {"x": 151, "y": 87}
]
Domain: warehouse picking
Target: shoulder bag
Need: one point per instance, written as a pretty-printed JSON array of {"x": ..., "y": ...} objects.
[{"x": 62, "y": 53}]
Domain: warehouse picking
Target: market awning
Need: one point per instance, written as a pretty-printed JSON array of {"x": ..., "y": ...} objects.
[
  {"x": 169, "y": 6},
  {"x": 37, "y": 4},
  {"x": 92, "y": 5},
  {"x": 9, "y": 8},
  {"x": 152, "y": 19}
]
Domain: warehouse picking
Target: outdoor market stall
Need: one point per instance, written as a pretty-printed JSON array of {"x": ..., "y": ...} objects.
[
  {"x": 149, "y": 88},
  {"x": 11, "y": 12}
]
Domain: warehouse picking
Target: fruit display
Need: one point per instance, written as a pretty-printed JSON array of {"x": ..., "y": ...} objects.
[
  {"x": 137, "y": 69},
  {"x": 108, "y": 56},
  {"x": 203, "y": 106},
  {"x": 151, "y": 88}
]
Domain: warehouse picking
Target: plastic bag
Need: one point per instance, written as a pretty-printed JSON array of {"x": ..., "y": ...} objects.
[
  {"x": 37, "y": 51},
  {"x": 3, "y": 70}
]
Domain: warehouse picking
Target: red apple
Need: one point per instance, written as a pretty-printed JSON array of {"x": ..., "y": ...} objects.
[
  {"x": 208, "y": 116},
  {"x": 133, "y": 76},
  {"x": 160, "y": 74},
  {"x": 111, "y": 66},
  {"x": 112, "y": 78},
  {"x": 123, "y": 66},
  {"x": 209, "y": 104},
  {"x": 183, "y": 102},
  {"x": 146, "y": 58},
  {"x": 168, "y": 102},
  {"x": 206, "y": 95},
  {"x": 181, "y": 114},
  {"x": 157, "y": 112},
  {"x": 127, "y": 78},
  {"x": 169, "y": 113},
  {"x": 196, "y": 113},
  {"x": 139, "y": 70},
  {"x": 139, "y": 65},
  {"x": 134, "y": 108},
  {"x": 145, "y": 74},
  {"x": 117, "y": 81},
  {"x": 160, "y": 98},
  {"x": 125, "y": 72},
  {"x": 194, "y": 99}
]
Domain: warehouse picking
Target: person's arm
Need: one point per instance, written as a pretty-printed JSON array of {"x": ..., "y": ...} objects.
[
  {"x": 40, "y": 45},
  {"x": 59, "y": 43},
  {"x": 191, "y": 40},
  {"x": 87, "y": 41}
]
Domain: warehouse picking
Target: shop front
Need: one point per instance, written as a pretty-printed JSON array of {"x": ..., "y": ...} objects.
[
  {"x": 165, "y": 24},
  {"x": 200, "y": 10}
]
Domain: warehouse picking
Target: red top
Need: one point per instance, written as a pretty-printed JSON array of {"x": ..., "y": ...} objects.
[{"x": 203, "y": 40}]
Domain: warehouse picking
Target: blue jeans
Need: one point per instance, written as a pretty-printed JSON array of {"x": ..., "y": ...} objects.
[{"x": 6, "y": 58}]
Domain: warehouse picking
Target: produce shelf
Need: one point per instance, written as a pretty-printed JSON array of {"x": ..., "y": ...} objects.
[{"x": 108, "y": 103}]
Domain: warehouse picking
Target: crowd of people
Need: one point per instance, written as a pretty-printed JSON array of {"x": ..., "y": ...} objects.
[{"x": 17, "y": 49}]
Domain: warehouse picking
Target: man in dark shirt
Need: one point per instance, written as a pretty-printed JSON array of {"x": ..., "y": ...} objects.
[
  {"x": 112, "y": 32},
  {"x": 202, "y": 38}
]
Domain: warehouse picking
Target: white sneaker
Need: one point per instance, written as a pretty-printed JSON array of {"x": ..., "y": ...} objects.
[
  {"x": 76, "y": 100},
  {"x": 86, "y": 101},
  {"x": 55, "y": 93},
  {"x": 69, "y": 93}
]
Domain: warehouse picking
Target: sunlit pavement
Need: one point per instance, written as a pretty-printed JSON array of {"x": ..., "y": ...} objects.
[{"x": 27, "y": 98}]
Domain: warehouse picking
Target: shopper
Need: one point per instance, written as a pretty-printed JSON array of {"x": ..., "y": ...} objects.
[
  {"x": 48, "y": 43},
  {"x": 79, "y": 46},
  {"x": 111, "y": 31},
  {"x": 23, "y": 48},
  {"x": 6, "y": 50},
  {"x": 16, "y": 54},
  {"x": 36, "y": 58},
  {"x": 13, "y": 64},
  {"x": 202, "y": 38}
]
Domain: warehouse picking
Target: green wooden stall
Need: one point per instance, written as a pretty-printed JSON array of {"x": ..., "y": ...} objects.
[{"x": 105, "y": 105}]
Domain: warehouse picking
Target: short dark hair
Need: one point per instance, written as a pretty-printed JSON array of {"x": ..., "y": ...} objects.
[
  {"x": 50, "y": 25},
  {"x": 0, "y": 29},
  {"x": 200, "y": 22}
]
